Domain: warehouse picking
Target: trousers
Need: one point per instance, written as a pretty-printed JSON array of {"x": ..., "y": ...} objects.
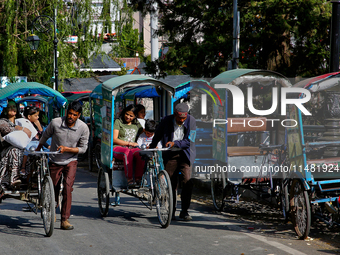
[
  {"x": 69, "y": 174},
  {"x": 178, "y": 163},
  {"x": 130, "y": 156}
]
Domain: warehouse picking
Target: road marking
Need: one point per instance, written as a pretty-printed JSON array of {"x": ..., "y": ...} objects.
[
  {"x": 275, "y": 244},
  {"x": 263, "y": 239}
]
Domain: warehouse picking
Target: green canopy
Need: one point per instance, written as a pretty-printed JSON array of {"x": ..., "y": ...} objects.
[
  {"x": 124, "y": 81},
  {"x": 14, "y": 90},
  {"x": 237, "y": 76}
]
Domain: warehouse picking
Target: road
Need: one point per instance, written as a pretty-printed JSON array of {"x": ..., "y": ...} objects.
[{"x": 133, "y": 229}]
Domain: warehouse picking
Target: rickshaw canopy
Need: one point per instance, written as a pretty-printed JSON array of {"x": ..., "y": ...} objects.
[
  {"x": 33, "y": 99},
  {"x": 97, "y": 92},
  {"x": 182, "y": 90},
  {"x": 14, "y": 90},
  {"x": 121, "y": 82},
  {"x": 239, "y": 76},
  {"x": 319, "y": 83},
  {"x": 141, "y": 92},
  {"x": 78, "y": 96}
]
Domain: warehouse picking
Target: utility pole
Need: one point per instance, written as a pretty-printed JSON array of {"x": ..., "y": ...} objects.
[
  {"x": 236, "y": 36},
  {"x": 154, "y": 37},
  {"x": 335, "y": 30}
]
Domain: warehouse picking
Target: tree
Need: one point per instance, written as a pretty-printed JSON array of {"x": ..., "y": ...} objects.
[
  {"x": 285, "y": 36},
  {"x": 16, "y": 21},
  {"x": 74, "y": 18},
  {"x": 128, "y": 43},
  {"x": 278, "y": 35}
]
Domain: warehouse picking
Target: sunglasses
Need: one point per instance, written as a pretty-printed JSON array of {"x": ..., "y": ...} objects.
[{"x": 11, "y": 107}]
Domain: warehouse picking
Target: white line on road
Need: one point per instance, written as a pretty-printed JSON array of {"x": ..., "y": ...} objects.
[{"x": 263, "y": 239}]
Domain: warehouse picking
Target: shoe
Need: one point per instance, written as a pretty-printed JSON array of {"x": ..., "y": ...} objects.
[
  {"x": 185, "y": 216},
  {"x": 65, "y": 225},
  {"x": 16, "y": 184}
]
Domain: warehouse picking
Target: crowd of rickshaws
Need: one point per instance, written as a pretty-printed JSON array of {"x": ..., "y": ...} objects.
[{"x": 255, "y": 131}]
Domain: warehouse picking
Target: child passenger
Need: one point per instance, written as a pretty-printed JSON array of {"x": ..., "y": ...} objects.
[{"x": 147, "y": 135}]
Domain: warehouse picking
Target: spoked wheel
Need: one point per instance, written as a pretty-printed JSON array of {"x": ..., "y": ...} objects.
[
  {"x": 103, "y": 190},
  {"x": 164, "y": 199},
  {"x": 218, "y": 184},
  {"x": 48, "y": 205},
  {"x": 300, "y": 209},
  {"x": 284, "y": 198},
  {"x": 95, "y": 157}
]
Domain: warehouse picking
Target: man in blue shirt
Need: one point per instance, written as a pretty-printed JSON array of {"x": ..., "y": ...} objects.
[{"x": 178, "y": 130}]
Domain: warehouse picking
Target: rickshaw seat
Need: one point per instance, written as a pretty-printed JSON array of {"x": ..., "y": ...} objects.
[
  {"x": 335, "y": 160},
  {"x": 243, "y": 151},
  {"x": 325, "y": 174}
]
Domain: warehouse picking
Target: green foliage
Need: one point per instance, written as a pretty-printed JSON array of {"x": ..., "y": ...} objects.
[
  {"x": 291, "y": 37},
  {"x": 128, "y": 43},
  {"x": 73, "y": 19},
  {"x": 17, "y": 24}
]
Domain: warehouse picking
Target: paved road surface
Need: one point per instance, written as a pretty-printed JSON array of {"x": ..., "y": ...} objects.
[{"x": 133, "y": 229}]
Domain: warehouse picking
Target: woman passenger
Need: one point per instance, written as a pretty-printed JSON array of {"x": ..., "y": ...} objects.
[
  {"x": 11, "y": 157},
  {"x": 32, "y": 114},
  {"x": 125, "y": 132}
]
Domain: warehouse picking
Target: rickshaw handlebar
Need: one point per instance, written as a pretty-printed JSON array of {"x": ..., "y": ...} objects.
[
  {"x": 271, "y": 147},
  {"x": 42, "y": 152},
  {"x": 157, "y": 149}
]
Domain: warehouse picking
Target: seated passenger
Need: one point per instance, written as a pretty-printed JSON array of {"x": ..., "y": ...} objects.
[
  {"x": 32, "y": 114},
  {"x": 141, "y": 114},
  {"x": 11, "y": 157},
  {"x": 125, "y": 132},
  {"x": 147, "y": 135}
]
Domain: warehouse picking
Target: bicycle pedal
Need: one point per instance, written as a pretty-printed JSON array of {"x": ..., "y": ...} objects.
[{"x": 330, "y": 207}]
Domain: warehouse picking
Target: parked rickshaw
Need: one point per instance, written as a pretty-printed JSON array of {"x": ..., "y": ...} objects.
[
  {"x": 315, "y": 188},
  {"x": 108, "y": 100},
  {"x": 38, "y": 192},
  {"x": 249, "y": 143},
  {"x": 94, "y": 149}
]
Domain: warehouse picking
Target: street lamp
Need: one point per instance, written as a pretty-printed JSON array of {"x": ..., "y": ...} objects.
[
  {"x": 33, "y": 41},
  {"x": 43, "y": 24}
]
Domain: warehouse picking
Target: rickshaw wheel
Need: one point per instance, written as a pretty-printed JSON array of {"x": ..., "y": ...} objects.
[
  {"x": 97, "y": 155},
  {"x": 164, "y": 199},
  {"x": 48, "y": 206},
  {"x": 103, "y": 190},
  {"x": 300, "y": 209},
  {"x": 218, "y": 184},
  {"x": 284, "y": 197}
]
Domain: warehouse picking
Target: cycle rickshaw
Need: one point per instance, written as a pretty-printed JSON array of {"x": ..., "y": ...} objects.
[
  {"x": 315, "y": 188},
  {"x": 107, "y": 100},
  {"x": 249, "y": 139},
  {"x": 38, "y": 192}
]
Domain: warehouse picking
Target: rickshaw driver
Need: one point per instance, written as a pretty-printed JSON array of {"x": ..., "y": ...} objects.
[
  {"x": 69, "y": 135},
  {"x": 178, "y": 130}
]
